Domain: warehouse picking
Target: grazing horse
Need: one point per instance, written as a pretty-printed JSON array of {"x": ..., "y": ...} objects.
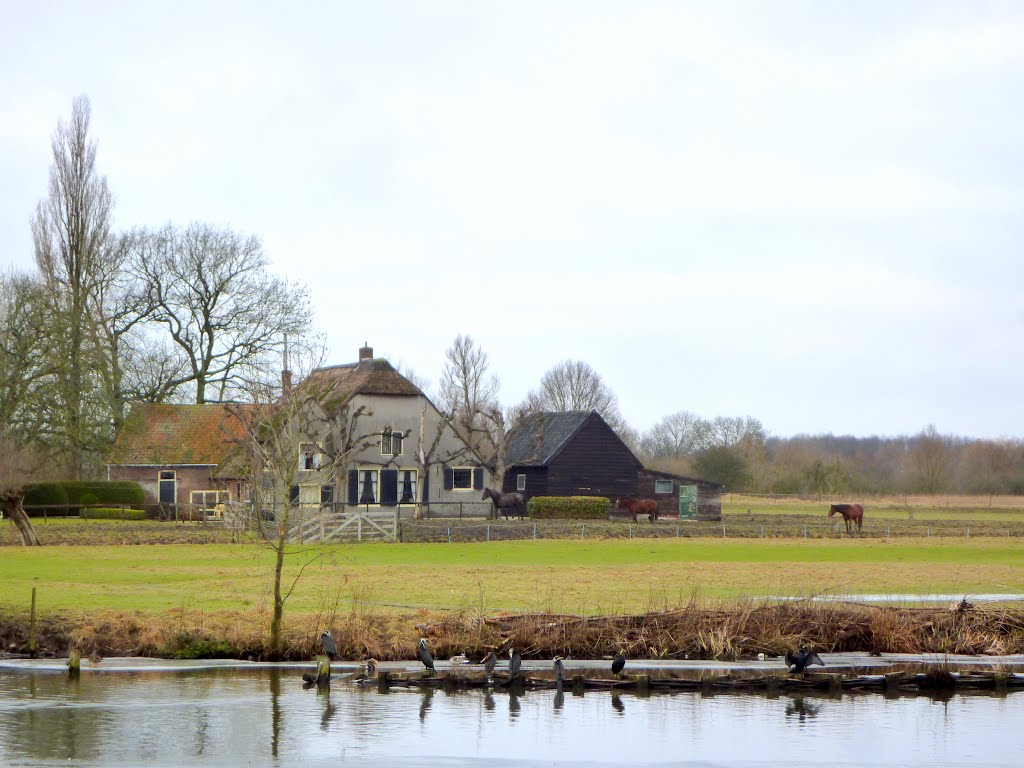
[
  {"x": 636, "y": 507},
  {"x": 506, "y": 502},
  {"x": 853, "y": 514}
]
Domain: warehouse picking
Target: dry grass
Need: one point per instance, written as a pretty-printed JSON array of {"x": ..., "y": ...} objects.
[{"x": 701, "y": 629}]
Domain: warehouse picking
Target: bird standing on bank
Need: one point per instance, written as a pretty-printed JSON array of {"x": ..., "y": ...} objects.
[
  {"x": 329, "y": 646},
  {"x": 798, "y": 661},
  {"x": 619, "y": 662},
  {"x": 424, "y": 655}
]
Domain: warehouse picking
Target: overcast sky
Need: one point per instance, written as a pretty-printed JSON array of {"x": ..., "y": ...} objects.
[{"x": 808, "y": 212}]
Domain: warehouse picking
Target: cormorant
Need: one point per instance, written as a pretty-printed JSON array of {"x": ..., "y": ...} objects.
[
  {"x": 424, "y": 655},
  {"x": 515, "y": 661},
  {"x": 559, "y": 669},
  {"x": 797, "y": 661},
  {"x": 328, "y": 645},
  {"x": 619, "y": 662}
]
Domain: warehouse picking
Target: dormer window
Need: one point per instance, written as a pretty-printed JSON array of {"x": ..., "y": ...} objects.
[{"x": 391, "y": 443}]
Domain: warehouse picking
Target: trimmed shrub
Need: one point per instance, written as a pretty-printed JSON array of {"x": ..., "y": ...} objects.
[
  {"x": 569, "y": 507},
  {"x": 114, "y": 513},
  {"x": 105, "y": 492},
  {"x": 43, "y": 495},
  {"x": 76, "y": 493}
]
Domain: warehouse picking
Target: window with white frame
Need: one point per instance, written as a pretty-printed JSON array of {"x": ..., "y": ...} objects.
[
  {"x": 312, "y": 459},
  {"x": 663, "y": 486},
  {"x": 462, "y": 478},
  {"x": 407, "y": 486},
  {"x": 368, "y": 486},
  {"x": 207, "y": 500},
  {"x": 520, "y": 482},
  {"x": 391, "y": 443}
]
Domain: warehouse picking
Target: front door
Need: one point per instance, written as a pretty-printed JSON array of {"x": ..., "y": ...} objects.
[
  {"x": 687, "y": 502},
  {"x": 168, "y": 486}
]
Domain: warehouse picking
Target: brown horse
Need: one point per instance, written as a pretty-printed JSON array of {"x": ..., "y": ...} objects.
[
  {"x": 853, "y": 514},
  {"x": 506, "y": 503},
  {"x": 636, "y": 507}
]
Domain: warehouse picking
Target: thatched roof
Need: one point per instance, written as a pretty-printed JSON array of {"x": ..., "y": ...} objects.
[{"x": 338, "y": 383}]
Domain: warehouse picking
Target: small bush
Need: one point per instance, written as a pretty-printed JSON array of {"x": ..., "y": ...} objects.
[
  {"x": 569, "y": 507},
  {"x": 114, "y": 513},
  {"x": 186, "y": 645}
]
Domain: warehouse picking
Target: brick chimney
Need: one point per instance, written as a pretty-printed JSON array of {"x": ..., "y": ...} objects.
[{"x": 365, "y": 352}]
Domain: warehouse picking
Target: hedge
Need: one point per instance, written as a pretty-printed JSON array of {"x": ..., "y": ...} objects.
[
  {"x": 55, "y": 496},
  {"x": 569, "y": 507},
  {"x": 114, "y": 513}
]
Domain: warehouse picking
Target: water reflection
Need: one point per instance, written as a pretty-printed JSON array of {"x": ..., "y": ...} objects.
[
  {"x": 232, "y": 716},
  {"x": 801, "y": 708}
]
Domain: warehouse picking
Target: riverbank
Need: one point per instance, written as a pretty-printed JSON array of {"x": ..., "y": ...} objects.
[{"x": 721, "y": 631}]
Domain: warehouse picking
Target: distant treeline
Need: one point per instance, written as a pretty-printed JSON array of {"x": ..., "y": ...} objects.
[{"x": 927, "y": 462}]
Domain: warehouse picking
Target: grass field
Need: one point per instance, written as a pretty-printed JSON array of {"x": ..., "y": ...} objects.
[
  {"x": 1008, "y": 509},
  {"x": 567, "y": 576}
]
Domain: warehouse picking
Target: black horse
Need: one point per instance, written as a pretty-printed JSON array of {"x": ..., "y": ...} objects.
[{"x": 506, "y": 503}]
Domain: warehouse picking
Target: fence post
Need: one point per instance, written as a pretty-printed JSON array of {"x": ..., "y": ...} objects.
[
  {"x": 32, "y": 627},
  {"x": 583, "y": 531},
  {"x": 460, "y": 510},
  {"x": 723, "y": 530},
  {"x": 762, "y": 531},
  {"x": 968, "y": 533},
  {"x": 677, "y": 531},
  {"x": 535, "y": 532},
  {"x": 631, "y": 531},
  {"x": 805, "y": 531},
  {"x": 398, "y": 526},
  {"x": 449, "y": 534},
  {"x": 488, "y": 532},
  {"x": 359, "y": 526}
]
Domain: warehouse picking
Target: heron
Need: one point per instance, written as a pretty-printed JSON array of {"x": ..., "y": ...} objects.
[
  {"x": 490, "y": 662},
  {"x": 559, "y": 669},
  {"x": 797, "y": 661},
  {"x": 329, "y": 646},
  {"x": 424, "y": 655},
  {"x": 619, "y": 662},
  {"x": 515, "y": 661}
]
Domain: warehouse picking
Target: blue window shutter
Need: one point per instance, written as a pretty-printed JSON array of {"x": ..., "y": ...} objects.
[
  {"x": 353, "y": 486},
  {"x": 389, "y": 487},
  {"x": 449, "y": 478},
  {"x": 293, "y": 494},
  {"x": 478, "y": 478}
]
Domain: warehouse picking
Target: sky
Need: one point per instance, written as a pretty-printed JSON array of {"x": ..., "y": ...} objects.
[{"x": 805, "y": 212}]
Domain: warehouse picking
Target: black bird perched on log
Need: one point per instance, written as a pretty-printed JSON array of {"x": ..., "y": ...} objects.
[
  {"x": 424, "y": 655},
  {"x": 328, "y": 645},
  {"x": 515, "y": 661},
  {"x": 797, "y": 661},
  {"x": 559, "y": 669},
  {"x": 619, "y": 662}
]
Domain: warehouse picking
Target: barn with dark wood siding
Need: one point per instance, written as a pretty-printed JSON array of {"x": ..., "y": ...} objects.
[{"x": 576, "y": 453}]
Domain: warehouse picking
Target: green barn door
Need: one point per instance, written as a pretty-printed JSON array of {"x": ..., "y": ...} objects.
[{"x": 687, "y": 502}]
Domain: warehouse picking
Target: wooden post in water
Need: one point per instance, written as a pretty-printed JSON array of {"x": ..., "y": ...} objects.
[
  {"x": 32, "y": 627},
  {"x": 74, "y": 663},
  {"x": 323, "y": 671},
  {"x": 578, "y": 685}
]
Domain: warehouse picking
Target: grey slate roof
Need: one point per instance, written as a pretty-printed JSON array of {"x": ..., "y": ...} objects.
[{"x": 540, "y": 436}]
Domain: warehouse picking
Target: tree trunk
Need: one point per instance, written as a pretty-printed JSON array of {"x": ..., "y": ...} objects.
[{"x": 10, "y": 503}]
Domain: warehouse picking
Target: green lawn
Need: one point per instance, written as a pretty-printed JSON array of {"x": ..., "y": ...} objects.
[{"x": 569, "y": 576}]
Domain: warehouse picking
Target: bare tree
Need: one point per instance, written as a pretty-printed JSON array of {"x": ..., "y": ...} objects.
[
  {"x": 930, "y": 460},
  {"x": 678, "y": 434},
  {"x": 70, "y": 231},
  {"x": 574, "y": 386},
  {"x": 469, "y": 397},
  {"x": 224, "y": 312}
]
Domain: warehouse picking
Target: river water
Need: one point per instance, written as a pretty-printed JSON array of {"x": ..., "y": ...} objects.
[{"x": 246, "y": 716}]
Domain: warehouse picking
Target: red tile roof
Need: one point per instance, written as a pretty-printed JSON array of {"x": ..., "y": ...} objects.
[{"x": 176, "y": 434}]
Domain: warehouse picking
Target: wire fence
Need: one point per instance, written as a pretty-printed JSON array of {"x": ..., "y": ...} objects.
[{"x": 454, "y": 531}]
